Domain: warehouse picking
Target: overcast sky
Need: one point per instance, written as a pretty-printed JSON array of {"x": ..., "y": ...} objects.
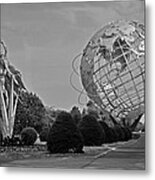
[{"x": 44, "y": 38}]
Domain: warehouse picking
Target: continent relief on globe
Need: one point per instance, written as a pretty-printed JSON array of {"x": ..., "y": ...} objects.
[{"x": 113, "y": 67}]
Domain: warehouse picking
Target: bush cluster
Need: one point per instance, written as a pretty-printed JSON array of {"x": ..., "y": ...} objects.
[
  {"x": 28, "y": 136},
  {"x": 14, "y": 141},
  {"x": 64, "y": 135},
  {"x": 116, "y": 133}
]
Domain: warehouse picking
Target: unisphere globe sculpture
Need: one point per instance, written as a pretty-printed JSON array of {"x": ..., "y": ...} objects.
[{"x": 113, "y": 68}]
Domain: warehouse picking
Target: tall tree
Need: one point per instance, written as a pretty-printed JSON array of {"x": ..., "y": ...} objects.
[{"x": 30, "y": 112}]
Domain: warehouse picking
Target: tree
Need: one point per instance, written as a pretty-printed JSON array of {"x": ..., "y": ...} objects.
[
  {"x": 76, "y": 114},
  {"x": 92, "y": 109},
  {"x": 91, "y": 131},
  {"x": 49, "y": 117},
  {"x": 30, "y": 112},
  {"x": 64, "y": 135}
]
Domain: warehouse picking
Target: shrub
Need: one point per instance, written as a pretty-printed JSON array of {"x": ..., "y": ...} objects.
[
  {"x": 109, "y": 134},
  {"x": 16, "y": 140},
  {"x": 115, "y": 134},
  {"x": 49, "y": 117},
  {"x": 128, "y": 133},
  {"x": 28, "y": 136},
  {"x": 44, "y": 134},
  {"x": 119, "y": 133},
  {"x": 64, "y": 135},
  {"x": 123, "y": 134},
  {"x": 91, "y": 131}
]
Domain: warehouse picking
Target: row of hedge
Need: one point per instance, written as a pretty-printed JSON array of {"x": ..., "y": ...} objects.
[
  {"x": 65, "y": 135},
  {"x": 117, "y": 133}
]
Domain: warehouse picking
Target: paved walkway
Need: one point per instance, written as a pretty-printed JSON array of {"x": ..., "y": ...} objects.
[{"x": 127, "y": 156}]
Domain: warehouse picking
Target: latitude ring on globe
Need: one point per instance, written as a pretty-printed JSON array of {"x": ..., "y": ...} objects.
[{"x": 113, "y": 68}]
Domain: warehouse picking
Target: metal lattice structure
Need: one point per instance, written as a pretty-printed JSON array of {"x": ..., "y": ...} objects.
[
  {"x": 10, "y": 87},
  {"x": 113, "y": 68}
]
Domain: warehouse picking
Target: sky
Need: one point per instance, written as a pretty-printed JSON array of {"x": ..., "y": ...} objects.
[{"x": 43, "y": 39}]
